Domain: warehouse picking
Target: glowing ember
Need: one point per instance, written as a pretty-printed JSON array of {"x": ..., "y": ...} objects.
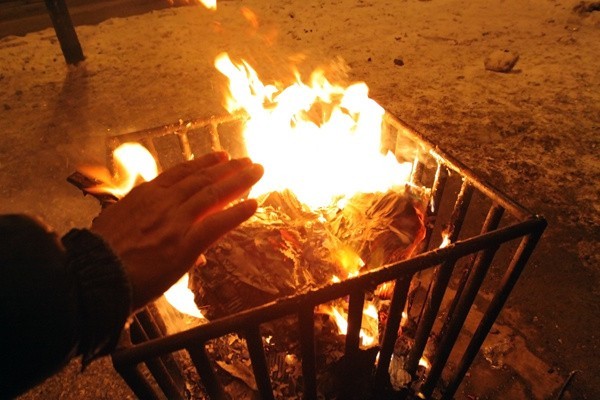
[
  {"x": 385, "y": 290},
  {"x": 250, "y": 16},
  {"x": 320, "y": 140}
]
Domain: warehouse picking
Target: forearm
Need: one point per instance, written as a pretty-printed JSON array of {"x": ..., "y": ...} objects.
[{"x": 56, "y": 301}]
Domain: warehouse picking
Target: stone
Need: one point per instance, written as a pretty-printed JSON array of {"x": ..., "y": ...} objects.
[{"x": 501, "y": 61}]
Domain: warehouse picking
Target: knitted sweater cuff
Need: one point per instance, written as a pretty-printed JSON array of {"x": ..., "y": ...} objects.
[{"x": 104, "y": 292}]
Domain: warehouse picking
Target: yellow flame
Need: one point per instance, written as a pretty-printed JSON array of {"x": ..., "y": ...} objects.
[
  {"x": 320, "y": 140},
  {"x": 134, "y": 158},
  {"x": 349, "y": 260},
  {"x": 182, "y": 298},
  {"x": 133, "y": 164},
  {"x": 210, "y": 4},
  {"x": 371, "y": 311},
  {"x": 342, "y": 323},
  {"x": 445, "y": 240}
]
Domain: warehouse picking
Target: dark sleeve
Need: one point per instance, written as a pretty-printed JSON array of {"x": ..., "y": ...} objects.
[{"x": 57, "y": 301}]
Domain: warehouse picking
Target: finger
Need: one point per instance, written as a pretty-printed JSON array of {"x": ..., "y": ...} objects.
[
  {"x": 221, "y": 193},
  {"x": 187, "y": 168},
  {"x": 217, "y": 224},
  {"x": 194, "y": 183}
]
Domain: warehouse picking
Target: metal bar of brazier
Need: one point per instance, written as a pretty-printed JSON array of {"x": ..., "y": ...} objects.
[
  {"x": 460, "y": 309},
  {"x": 206, "y": 371},
  {"x": 440, "y": 281},
  {"x": 447, "y": 214},
  {"x": 401, "y": 287},
  {"x": 307, "y": 341},
  {"x": 510, "y": 278}
]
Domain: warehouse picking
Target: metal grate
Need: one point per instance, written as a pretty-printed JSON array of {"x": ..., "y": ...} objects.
[{"x": 490, "y": 241}]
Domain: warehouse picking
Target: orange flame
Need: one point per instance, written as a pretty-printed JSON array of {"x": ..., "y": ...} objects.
[{"x": 349, "y": 260}]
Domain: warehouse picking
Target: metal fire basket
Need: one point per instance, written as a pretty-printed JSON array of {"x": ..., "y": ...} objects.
[{"x": 489, "y": 241}]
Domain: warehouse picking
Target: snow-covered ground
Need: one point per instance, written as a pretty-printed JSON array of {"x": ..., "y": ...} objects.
[{"x": 533, "y": 132}]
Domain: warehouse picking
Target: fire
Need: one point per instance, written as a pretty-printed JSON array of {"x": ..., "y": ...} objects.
[
  {"x": 368, "y": 338},
  {"x": 182, "y": 298},
  {"x": 210, "y": 4},
  {"x": 320, "y": 140},
  {"x": 350, "y": 261},
  {"x": 133, "y": 164},
  {"x": 445, "y": 240}
]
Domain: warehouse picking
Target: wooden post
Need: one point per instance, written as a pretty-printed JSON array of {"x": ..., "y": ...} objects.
[{"x": 63, "y": 26}]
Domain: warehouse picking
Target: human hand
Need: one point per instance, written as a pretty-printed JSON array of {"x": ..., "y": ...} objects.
[{"x": 161, "y": 227}]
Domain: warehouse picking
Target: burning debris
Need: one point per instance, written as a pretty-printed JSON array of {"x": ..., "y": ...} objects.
[{"x": 286, "y": 248}]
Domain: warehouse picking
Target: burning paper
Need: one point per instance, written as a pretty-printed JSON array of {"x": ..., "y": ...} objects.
[{"x": 287, "y": 248}]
